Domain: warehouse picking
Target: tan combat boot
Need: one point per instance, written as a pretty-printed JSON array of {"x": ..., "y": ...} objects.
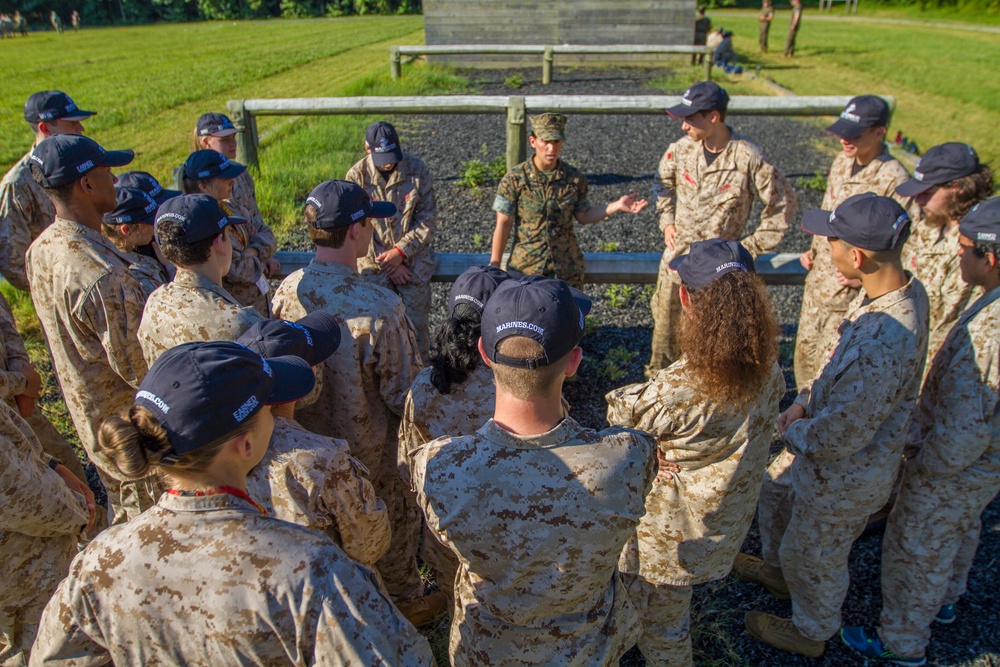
[
  {"x": 781, "y": 633},
  {"x": 423, "y": 610},
  {"x": 753, "y": 569}
]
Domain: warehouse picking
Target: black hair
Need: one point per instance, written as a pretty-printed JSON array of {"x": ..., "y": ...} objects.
[{"x": 455, "y": 350}]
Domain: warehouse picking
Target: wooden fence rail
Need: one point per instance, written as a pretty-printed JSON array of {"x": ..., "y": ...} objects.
[
  {"x": 548, "y": 53},
  {"x": 602, "y": 267},
  {"x": 516, "y": 108}
]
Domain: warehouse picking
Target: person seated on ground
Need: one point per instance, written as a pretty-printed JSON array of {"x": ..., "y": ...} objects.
[
  {"x": 87, "y": 301},
  {"x": 715, "y": 38},
  {"x": 217, "y": 132},
  {"x": 713, "y": 413},
  {"x": 844, "y": 433},
  {"x": 454, "y": 395},
  {"x": 205, "y": 576},
  {"x": 193, "y": 234},
  {"x": 130, "y": 228},
  {"x": 536, "y": 507},
  {"x": 724, "y": 54},
  {"x": 365, "y": 381},
  {"x": 306, "y": 478},
  {"x": 44, "y": 509},
  {"x": 933, "y": 530}
]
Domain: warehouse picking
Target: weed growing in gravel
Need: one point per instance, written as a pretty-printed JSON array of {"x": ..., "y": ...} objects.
[
  {"x": 614, "y": 366},
  {"x": 590, "y": 326},
  {"x": 647, "y": 291},
  {"x": 477, "y": 172},
  {"x": 608, "y": 246},
  {"x": 515, "y": 80},
  {"x": 815, "y": 182},
  {"x": 477, "y": 240},
  {"x": 619, "y": 295}
]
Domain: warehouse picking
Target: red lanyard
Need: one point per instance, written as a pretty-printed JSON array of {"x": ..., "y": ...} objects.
[{"x": 219, "y": 491}]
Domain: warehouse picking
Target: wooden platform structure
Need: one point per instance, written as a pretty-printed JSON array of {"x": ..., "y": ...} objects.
[{"x": 577, "y": 22}]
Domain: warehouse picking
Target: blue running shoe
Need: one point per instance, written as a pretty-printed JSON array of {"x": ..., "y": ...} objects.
[
  {"x": 866, "y": 642},
  {"x": 946, "y": 614}
]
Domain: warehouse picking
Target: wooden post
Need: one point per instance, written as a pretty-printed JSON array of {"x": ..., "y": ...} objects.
[
  {"x": 708, "y": 64},
  {"x": 517, "y": 135},
  {"x": 246, "y": 141},
  {"x": 547, "y": 58},
  {"x": 394, "y": 62}
]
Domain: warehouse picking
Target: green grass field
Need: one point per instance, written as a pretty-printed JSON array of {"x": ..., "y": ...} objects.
[
  {"x": 149, "y": 85},
  {"x": 943, "y": 79}
]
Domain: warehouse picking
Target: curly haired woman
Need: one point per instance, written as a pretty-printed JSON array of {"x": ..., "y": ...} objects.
[{"x": 713, "y": 412}]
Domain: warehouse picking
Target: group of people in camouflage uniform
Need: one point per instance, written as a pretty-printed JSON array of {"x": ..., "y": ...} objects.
[{"x": 277, "y": 463}]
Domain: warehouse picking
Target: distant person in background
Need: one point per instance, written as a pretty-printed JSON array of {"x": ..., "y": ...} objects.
[
  {"x": 55, "y": 21},
  {"x": 793, "y": 28},
  {"x": 74, "y": 20},
  {"x": 253, "y": 256},
  {"x": 715, "y": 38},
  {"x": 21, "y": 24},
  {"x": 724, "y": 53},
  {"x": 765, "y": 18},
  {"x": 702, "y": 26}
]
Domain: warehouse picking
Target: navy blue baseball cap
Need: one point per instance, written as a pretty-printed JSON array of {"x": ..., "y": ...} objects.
[
  {"x": 939, "y": 165},
  {"x": 383, "y": 141},
  {"x": 711, "y": 259},
  {"x": 866, "y": 221},
  {"x": 702, "y": 96},
  {"x": 342, "y": 203},
  {"x": 861, "y": 112},
  {"x": 546, "y": 310},
  {"x": 215, "y": 124},
  {"x": 141, "y": 180},
  {"x": 473, "y": 288},
  {"x": 134, "y": 207},
  {"x": 200, "y": 216},
  {"x": 64, "y": 158},
  {"x": 207, "y": 163},
  {"x": 200, "y": 392},
  {"x": 314, "y": 338},
  {"x": 982, "y": 223},
  {"x": 53, "y": 105}
]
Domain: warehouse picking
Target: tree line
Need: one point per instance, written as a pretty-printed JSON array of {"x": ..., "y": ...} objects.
[{"x": 100, "y": 12}]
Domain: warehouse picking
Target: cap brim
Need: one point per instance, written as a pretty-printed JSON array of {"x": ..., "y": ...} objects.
[
  {"x": 228, "y": 132},
  {"x": 165, "y": 195},
  {"x": 382, "y": 209},
  {"x": 817, "y": 222},
  {"x": 913, "y": 187},
  {"x": 551, "y": 136},
  {"x": 79, "y": 114},
  {"x": 236, "y": 220},
  {"x": 846, "y": 129},
  {"x": 583, "y": 301},
  {"x": 117, "y": 158},
  {"x": 325, "y": 329},
  {"x": 232, "y": 171},
  {"x": 676, "y": 262},
  {"x": 293, "y": 379},
  {"x": 682, "y": 111},
  {"x": 390, "y": 157}
]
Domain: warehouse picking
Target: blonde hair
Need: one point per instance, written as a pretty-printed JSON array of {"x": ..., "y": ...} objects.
[{"x": 526, "y": 383}]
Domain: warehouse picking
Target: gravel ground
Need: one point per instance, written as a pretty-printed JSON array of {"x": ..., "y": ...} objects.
[{"x": 618, "y": 154}]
